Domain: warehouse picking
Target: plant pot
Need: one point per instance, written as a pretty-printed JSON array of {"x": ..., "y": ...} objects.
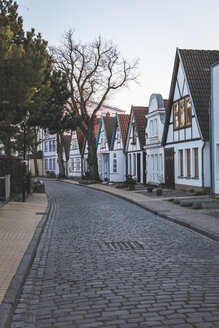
[
  {"x": 131, "y": 187},
  {"x": 159, "y": 192},
  {"x": 150, "y": 189}
]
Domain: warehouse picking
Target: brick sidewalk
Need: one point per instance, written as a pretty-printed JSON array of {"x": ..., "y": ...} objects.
[
  {"x": 18, "y": 222},
  {"x": 197, "y": 220}
]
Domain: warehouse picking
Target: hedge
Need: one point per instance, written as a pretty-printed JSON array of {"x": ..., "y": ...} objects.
[{"x": 13, "y": 166}]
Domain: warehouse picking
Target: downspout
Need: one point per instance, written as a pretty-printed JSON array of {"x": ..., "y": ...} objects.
[
  {"x": 210, "y": 138},
  {"x": 203, "y": 184}
]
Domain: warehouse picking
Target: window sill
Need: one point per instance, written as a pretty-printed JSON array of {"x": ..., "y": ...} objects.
[
  {"x": 133, "y": 143},
  {"x": 180, "y": 177}
]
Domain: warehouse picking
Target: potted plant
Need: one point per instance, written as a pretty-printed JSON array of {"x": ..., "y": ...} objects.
[
  {"x": 130, "y": 182},
  {"x": 149, "y": 188},
  {"x": 159, "y": 191}
]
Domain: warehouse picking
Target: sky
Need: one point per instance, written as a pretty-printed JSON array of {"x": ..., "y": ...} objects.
[{"x": 150, "y": 30}]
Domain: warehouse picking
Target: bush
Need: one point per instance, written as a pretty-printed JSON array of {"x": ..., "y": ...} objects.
[
  {"x": 50, "y": 174},
  {"x": 130, "y": 180},
  {"x": 13, "y": 166}
]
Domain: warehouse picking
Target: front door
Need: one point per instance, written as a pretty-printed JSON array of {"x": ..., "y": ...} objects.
[
  {"x": 138, "y": 167},
  {"x": 169, "y": 168}
]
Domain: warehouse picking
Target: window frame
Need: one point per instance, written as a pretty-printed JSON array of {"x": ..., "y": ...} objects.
[{"x": 177, "y": 113}]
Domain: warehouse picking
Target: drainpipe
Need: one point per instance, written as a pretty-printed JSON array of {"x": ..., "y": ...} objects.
[{"x": 203, "y": 184}]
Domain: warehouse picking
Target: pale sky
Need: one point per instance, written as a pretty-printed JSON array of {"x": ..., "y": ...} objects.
[{"x": 146, "y": 29}]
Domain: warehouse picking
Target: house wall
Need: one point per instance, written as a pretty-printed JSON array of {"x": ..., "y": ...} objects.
[
  {"x": 154, "y": 134},
  {"x": 191, "y": 181},
  {"x": 50, "y": 162},
  {"x": 74, "y": 163},
  {"x": 188, "y": 138},
  {"x": 214, "y": 127},
  {"x": 120, "y": 158}
]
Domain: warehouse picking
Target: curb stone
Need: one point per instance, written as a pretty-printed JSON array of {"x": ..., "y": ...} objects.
[
  {"x": 14, "y": 290},
  {"x": 190, "y": 226}
]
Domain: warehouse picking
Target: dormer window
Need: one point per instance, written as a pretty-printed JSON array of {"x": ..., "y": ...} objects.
[{"x": 182, "y": 113}]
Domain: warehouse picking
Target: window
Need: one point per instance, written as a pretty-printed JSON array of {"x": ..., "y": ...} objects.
[
  {"x": 50, "y": 146},
  {"x": 134, "y": 164},
  {"x": 53, "y": 145},
  {"x": 134, "y": 134},
  {"x": 114, "y": 163},
  {"x": 50, "y": 163},
  {"x": 176, "y": 115},
  {"x": 181, "y": 163},
  {"x": 101, "y": 141},
  {"x": 74, "y": 144},
  {"x": 182, "y": 113},
  {"x": 72, "y": 164},
  {"x": 196, "y": 166},
  {"x": 188, "y": 162},
  {"x": 188, "y": 111},
  {"x": 151, "y": 128},
  {"x": 156, "y": 167},
  {"x": 153, "y": 167},
  {"x": 161, "y": 163},
  {"x": 155, "y": 127},
  {"x": 46, "y": 164},
  {"x": 54, "y": 163},
  {"x": 118, "y": 136},
  {"x": 45, "y": 146},
  {"x": 78, "y": 165}
]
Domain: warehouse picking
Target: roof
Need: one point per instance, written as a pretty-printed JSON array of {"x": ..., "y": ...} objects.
[
  {"x": 80, "y": 137},
  {"x": 196, "y": 64},
  {"x": 124, "y": 124},
  {"x": 108, "y": 124},
  {"x": 141, "y": 122}
]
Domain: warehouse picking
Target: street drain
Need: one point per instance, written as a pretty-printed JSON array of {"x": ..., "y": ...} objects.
[
  {"x": 39, "y": 213},
  {"x": 124, "y": 245}
]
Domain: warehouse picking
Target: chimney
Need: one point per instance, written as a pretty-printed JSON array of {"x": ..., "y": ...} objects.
[{"x": 107, "y": 114}]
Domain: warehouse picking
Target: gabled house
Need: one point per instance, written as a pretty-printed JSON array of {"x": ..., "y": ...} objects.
[
  {"x": 135, "y": 142},
  {"x": 153, "y": 139},
  {"x": 186, "y": 131},
  {"x": 214, "y": 131},
  {"x": 75, "y": 159},
  {"x": 118, "y": 156},
  {"x": 103, "y": 143}
]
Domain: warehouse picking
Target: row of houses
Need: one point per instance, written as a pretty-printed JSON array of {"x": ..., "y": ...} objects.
[{"x": 173, "y": 141}]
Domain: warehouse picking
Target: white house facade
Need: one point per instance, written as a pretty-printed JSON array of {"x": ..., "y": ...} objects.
[
  {"x": 135, "y": 142},
  {"x": 118, "y": 156},
  {"x": 50, "y": 163},
  {"x": 75, "y": 159},
  {"x": 214, "y": 130},
  {"x": 103, "y": 141},
  {"x": 186, "y": 132},
  {"x": 153, "y": 140}
]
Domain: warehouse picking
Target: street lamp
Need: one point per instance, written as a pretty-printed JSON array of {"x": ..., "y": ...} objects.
[{"x": 25, "y": 119}]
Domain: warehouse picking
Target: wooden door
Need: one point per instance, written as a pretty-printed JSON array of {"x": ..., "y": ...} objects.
[{"x": 169, "y": 168}]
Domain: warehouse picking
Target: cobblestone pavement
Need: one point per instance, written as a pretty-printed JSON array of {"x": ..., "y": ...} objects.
[{"x": 79, "y": 278}]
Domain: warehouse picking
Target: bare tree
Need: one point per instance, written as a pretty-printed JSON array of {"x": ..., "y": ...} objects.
[{"x": 94, "y": 70}]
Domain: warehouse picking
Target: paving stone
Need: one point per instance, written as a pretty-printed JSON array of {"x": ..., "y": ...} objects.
[{"x": 77, "y": 281}]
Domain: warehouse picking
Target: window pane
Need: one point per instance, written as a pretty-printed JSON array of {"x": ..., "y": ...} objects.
[
  {"x": 196, "y": 166},
  {"x": 176, "y": 115},
  {"x": 188, "y": 162},
  {"x": 182, "y": 113},
  {"x": 188, "y": 111}
]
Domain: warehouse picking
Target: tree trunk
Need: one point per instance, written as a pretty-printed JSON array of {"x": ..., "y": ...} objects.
[
  {"x": 92, "y": 156},
  {"x": 36, "y": 169},
  {"x": 60, "y": 155}
]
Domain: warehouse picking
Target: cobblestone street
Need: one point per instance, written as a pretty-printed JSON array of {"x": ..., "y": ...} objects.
[{"x": 104, "y": 262}]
